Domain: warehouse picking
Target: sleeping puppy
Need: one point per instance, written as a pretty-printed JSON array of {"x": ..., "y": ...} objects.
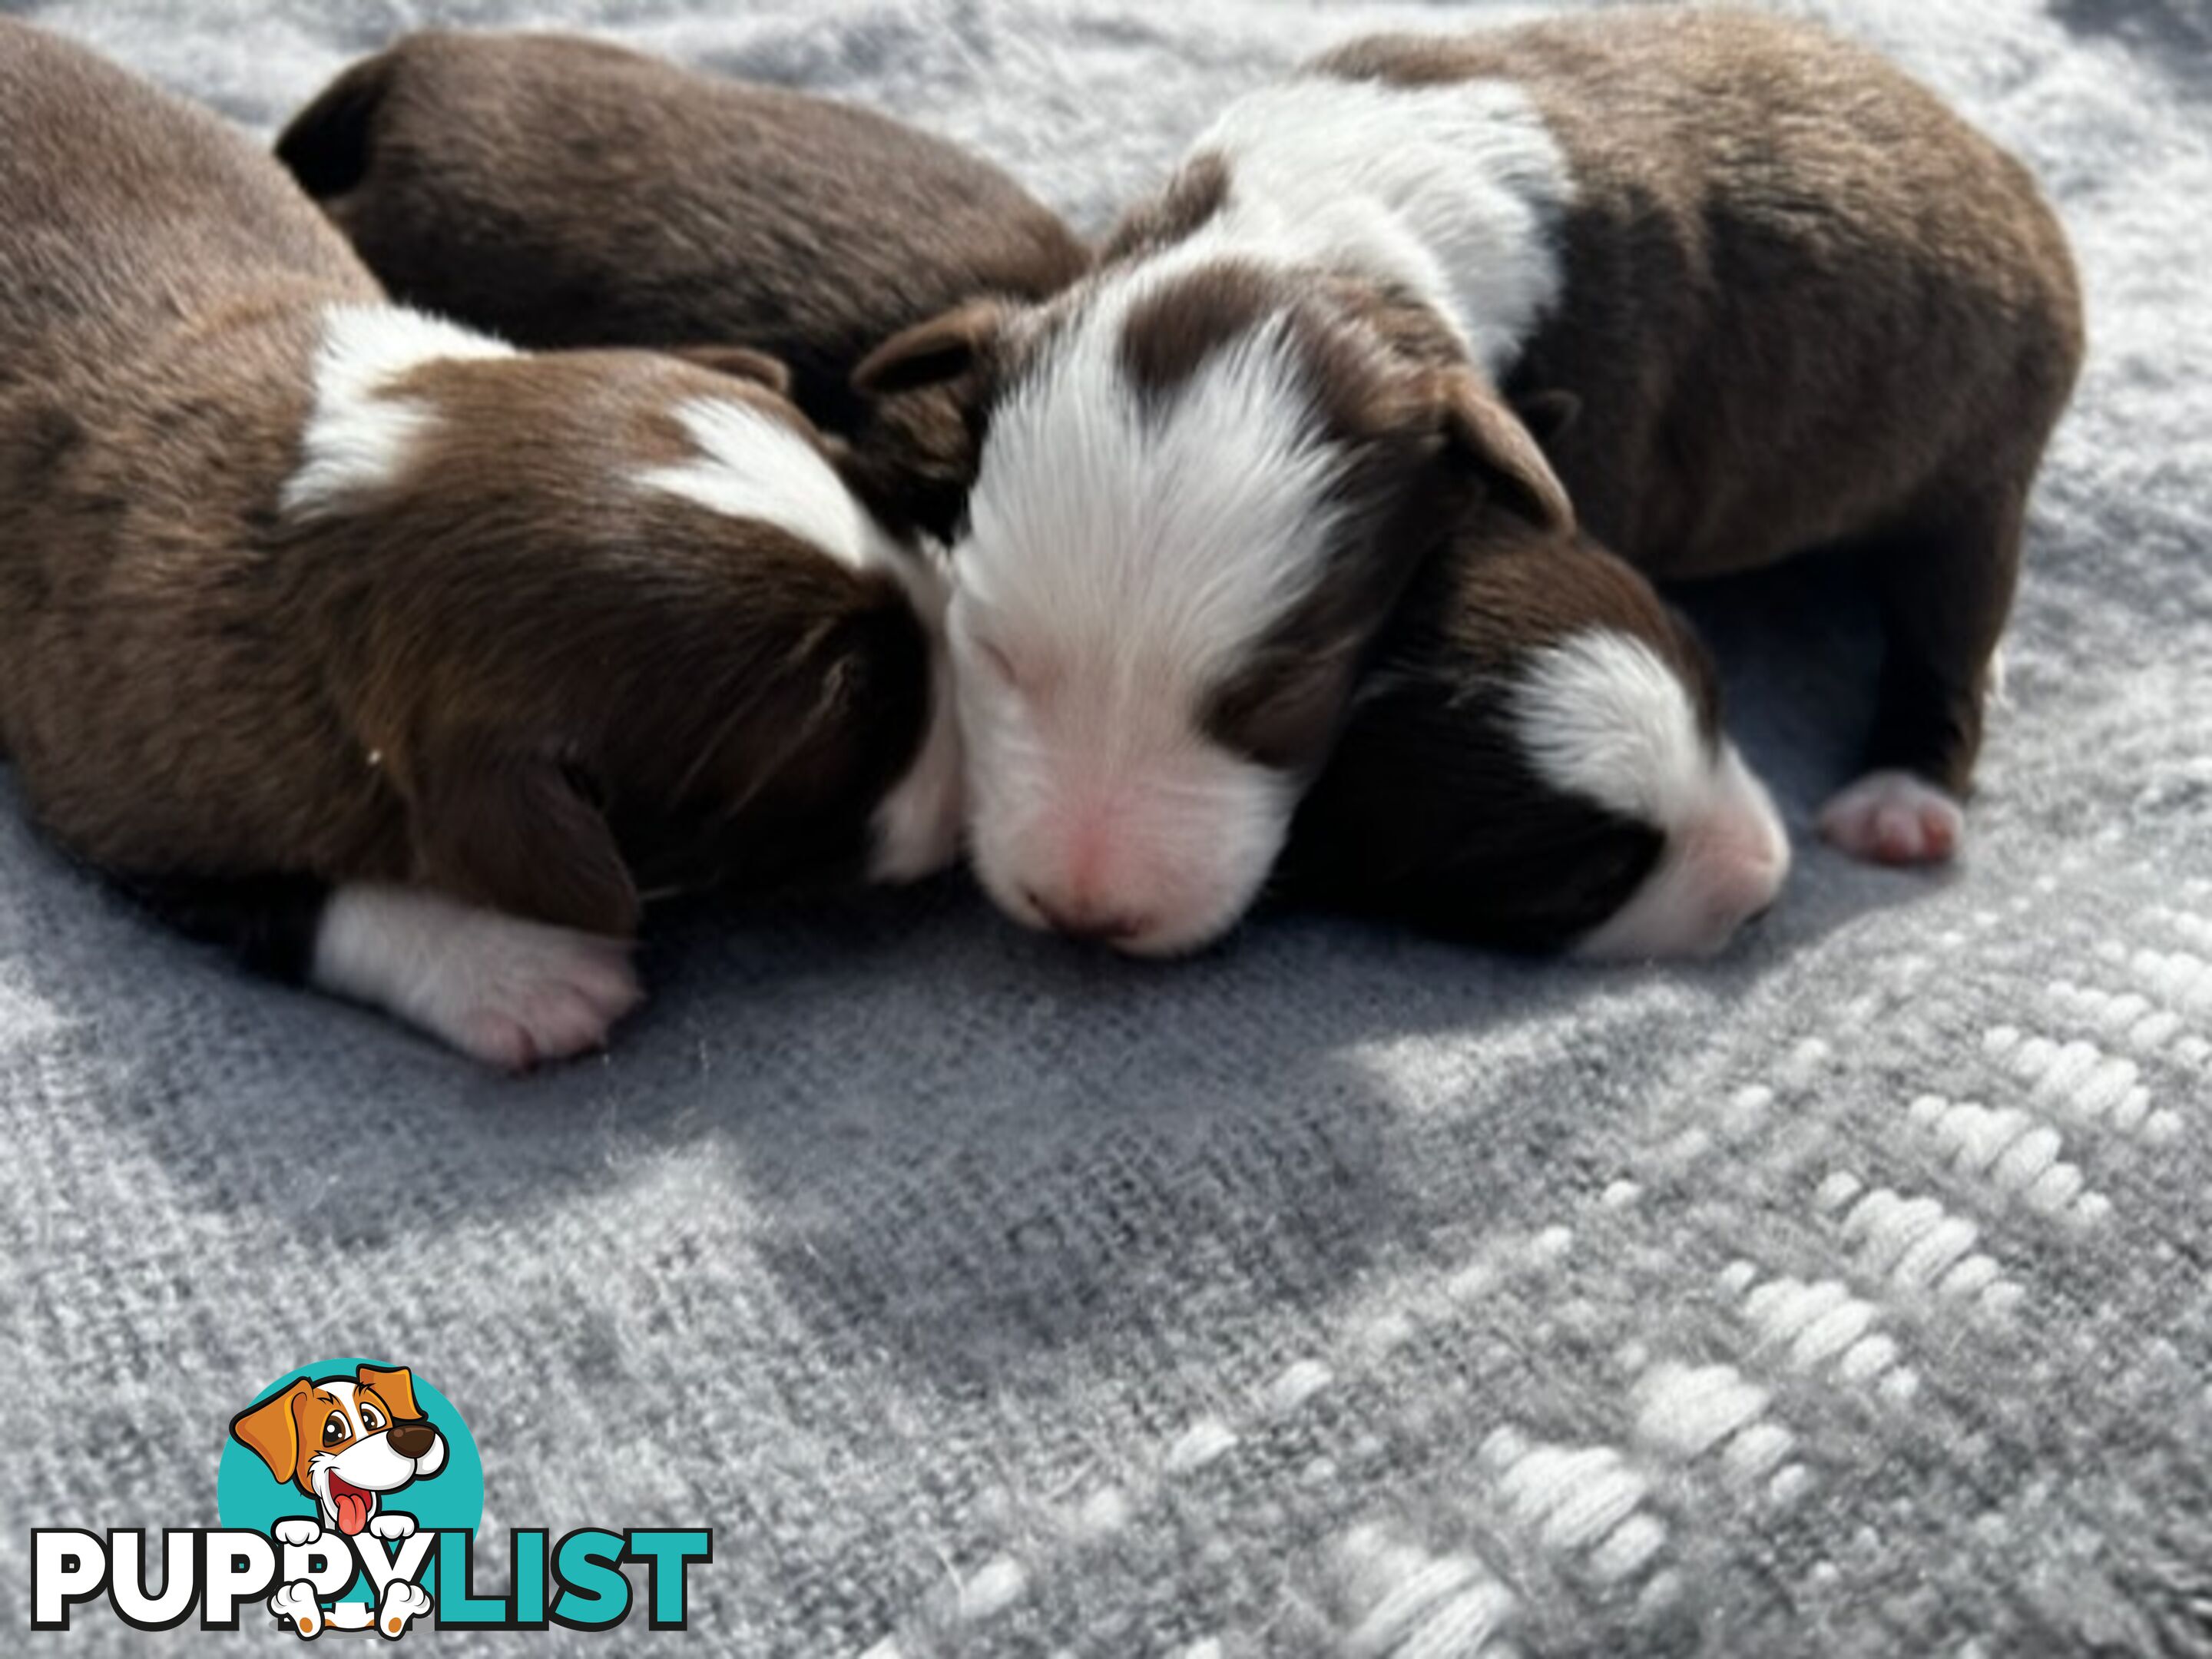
[
  {"x": 410, "y": 661},
  {"x": 1537, "y": 762},
  {"x": 1796, "y": 303},
  {"x": 562, "y": 192}
]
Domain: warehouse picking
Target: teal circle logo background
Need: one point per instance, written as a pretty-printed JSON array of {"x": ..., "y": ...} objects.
[{"x": 247, "y": 1496}]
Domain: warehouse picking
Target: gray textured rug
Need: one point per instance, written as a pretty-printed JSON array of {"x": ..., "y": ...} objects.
[{"x": 1339, "y": 1292}]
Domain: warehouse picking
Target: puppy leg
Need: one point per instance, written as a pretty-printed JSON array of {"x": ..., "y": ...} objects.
[
  {"x": 1946, "y": 587},
  {"x": 509, "y": 992}
]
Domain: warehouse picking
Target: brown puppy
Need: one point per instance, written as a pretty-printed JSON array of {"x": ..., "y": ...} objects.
[
  {"x": 300, "y": 588},
  {"x": 562, "y": 191},
  {"x": 1795, "y": 302}
]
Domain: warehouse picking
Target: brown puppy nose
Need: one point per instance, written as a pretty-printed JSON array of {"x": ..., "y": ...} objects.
[{"x": 412, "y": 1440}]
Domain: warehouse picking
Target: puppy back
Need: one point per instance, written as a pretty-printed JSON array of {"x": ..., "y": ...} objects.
[
  {"x": 566, "y": 193},
  {"x": 1801, "y": 291},
  {"x": 124, "y": 209}
]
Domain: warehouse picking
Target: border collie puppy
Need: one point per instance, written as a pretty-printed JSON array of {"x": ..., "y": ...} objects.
[
  {"x": 1796, "y": 302},
  {"x": 565, "y": 192},
  {"x": 410, "y": 661}
]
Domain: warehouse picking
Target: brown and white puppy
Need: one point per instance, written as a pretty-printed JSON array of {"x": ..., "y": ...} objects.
[
  {"x": 563, "y": 193},
  {"x": 1797, "y": 302},
  {"x": 1536, "y": 761},
  {"x": 303, "y": 591}
]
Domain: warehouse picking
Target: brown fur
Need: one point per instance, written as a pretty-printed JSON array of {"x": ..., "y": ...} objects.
[
  {"x": 563, "y": 193},
  {"x": 1805, "y": 304},
  {"x": 1194, "y": 195},
  {"x": 512, "y": 674}
]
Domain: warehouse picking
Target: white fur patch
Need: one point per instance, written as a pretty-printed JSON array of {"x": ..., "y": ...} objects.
[
  {"x": 359, "y": 436},
  {"x": 1454, "y": 191},
  {"x": 752, "y": 465},
  {"x": 1601, "y": 716},
  {"x": 509, "y": 992},
  {"x": 1122, "y": 559}
]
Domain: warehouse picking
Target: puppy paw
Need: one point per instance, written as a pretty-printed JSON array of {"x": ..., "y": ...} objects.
[
  {"x": 298, "y": 1530},
  {"x": 401, "y": 1604},
  {"x": 1894, "y": 818},
  {"x": 392, "y": 1526},
  {"x": 296, "y": 1604},
  {"x": 511, "y": 993}
]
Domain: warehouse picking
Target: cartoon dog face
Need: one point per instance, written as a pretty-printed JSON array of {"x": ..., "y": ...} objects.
[{"x": 344, "y": 1441}]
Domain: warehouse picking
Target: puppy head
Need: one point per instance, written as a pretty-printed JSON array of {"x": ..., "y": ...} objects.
[
  {"x": 652, "y": 570},
  {"x": 1537, "y": 762},
  {"x": 1203, "y": 484},
  {"x": 344, "y": 1440}
]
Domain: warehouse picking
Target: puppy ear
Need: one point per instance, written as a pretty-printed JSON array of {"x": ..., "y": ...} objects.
[
  {"x": 959, "y": 343},
  {"x": 270, "y": 1432},
  {"x": 395, "y": 1387},
  {"x": 740, "y": 363},
  {"x": 515, "y": 832},
  {"x": 328, "y": 144},
  {"x": 1478, "y": 425}
]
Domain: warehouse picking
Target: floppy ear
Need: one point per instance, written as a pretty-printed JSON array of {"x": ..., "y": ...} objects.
[
  {"x": 327, "y": 145},
  {"x": 945, "y": 348},
  {"x": 1478, "y": 424},
  {"x": 271, "y": 1434},
  {"x": 514, "y": 832},
  {"x": 740, "y": 363},
  {"x": 396, "y": 1387}
]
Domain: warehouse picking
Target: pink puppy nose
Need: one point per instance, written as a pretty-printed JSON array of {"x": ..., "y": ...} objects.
[
  {"x": 1741, "y": 859},
  {"x": 1085, "y": 918}
]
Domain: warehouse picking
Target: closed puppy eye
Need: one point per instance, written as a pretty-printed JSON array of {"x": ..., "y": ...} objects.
[
  {"x": 1000, "y": 665},
  {"x": 335, "y": 1429}
]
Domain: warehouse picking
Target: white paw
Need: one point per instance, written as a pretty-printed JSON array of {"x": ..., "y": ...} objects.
[
  {"x": 509, "y": 992},
  {"x": 391, "y": 1526},
  {"x": 298, "y": 1530},
  {"x": 296, "y": 1605},
  {"x": 1894, "y": 818},
  {"x": 401, "y": 1603}
]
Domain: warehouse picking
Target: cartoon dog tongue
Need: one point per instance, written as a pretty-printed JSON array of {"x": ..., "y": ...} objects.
[{"x": 353, "y": 1505}]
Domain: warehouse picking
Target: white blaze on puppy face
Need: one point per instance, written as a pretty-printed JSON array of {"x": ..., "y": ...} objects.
[
  {"x": 1129, "y": 554},
  {"x": 1123, "y": 556},
  {"x": 1602, "y": 717}
]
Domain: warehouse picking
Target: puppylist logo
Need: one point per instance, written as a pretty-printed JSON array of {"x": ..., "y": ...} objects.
[{"x": 349, "y": 1493}]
